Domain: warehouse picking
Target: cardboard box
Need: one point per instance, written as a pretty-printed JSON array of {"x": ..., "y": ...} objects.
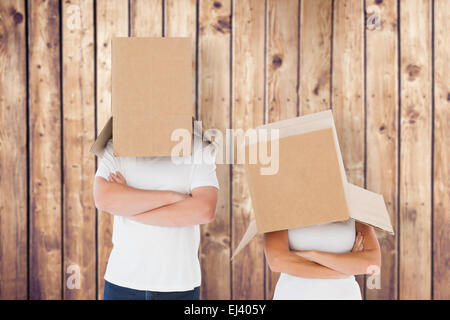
[
  {"x": 310, "y": 186},
  {"x": 151, "y": 96}
]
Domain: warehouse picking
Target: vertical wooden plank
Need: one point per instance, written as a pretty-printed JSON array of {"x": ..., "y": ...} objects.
[
  {"x": 78, "y": 136},
  {"x": 441, "y": 220},
  {"x": 415, "y": 147},
  {"x": 315, "y": 55},
  {"x": 45, "y": 150},
  {"x": 146, "y": 18},
  {"x": 247, "y": 112},
  {"x": 181, "y": 21},
  {"x": 214, "y": 110},
  {"x": 13, "y": 151},
  {"x": 348, "y": 87},
  {"x": 281, "y": 76},
  {"x": 112, "y": 21},
  {"x": 382, "y": 131}
]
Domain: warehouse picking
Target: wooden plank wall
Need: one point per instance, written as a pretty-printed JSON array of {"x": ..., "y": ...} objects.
[{"x": 381, "y": 66}]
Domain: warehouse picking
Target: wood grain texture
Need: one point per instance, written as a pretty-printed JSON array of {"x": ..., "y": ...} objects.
[
  {"x": 146, "y": 18},
  {"x": 13, "y": 151},
  {"x": 247, "y": 112},
  {"x": 415, "y": 154},
  {"x": 348, "y": 88},
  {"x": 441, "y": 219},
  {"x": 112, "y": 21},
  {"x": 315, "y": 55},
  {"x": 214, "y": 111},
  {"x": 405, "y": 159},
  {"x": 45, "y": 150},
  {"x": 78, "y": 135},
  {"x": 281, "y": 76},
  {"x": 382, "y": 131},
  {"x": 180, "y": 19}
]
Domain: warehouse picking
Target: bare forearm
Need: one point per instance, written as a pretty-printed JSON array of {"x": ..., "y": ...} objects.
[
  {"x": 349, "y": 263},
  {"x": 300, "y": 267},
  {"x": 180, "y": 214},
  {"x": 119, "y": 199}
]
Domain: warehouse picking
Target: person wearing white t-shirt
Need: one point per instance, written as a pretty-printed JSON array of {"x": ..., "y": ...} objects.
[
  {"x": 158, "y": 205},
  {"x": 319, "y": 262}
]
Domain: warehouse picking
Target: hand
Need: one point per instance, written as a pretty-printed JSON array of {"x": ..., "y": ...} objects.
[
  {"x": 117, "y": 178},
  {"x": 358, "y": 245}
]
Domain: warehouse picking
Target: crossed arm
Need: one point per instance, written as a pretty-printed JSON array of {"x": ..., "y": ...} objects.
[
  {"x": 159, "y": 208},
  {"x": 319, "y": 264}
]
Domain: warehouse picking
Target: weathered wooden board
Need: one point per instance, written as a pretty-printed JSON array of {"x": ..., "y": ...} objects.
[
  {"x": 214, "y": 112},
  {"x": 441, "y": 218},
  {"x": 415, "y": 150},
  {"x": 315, "y": 55},
  {"x": 13, "y": 151},
  {"x": 111, "y": 20},
  {"x": 382, "y": 129},
  {"x": 146, "y": 18},
  {"x": 45, "y": 151},
  {"x": 248, "y": 31},
  {"x": 79, "y": 273}
]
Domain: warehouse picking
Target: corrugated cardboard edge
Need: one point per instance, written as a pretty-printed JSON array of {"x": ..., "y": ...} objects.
[{"x": 98, "y": 147}]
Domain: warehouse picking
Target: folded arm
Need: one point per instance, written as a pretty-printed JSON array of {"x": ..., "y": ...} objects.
[
  {"x": 123, "y": 200},
  {"x": 281, "y": 259},
  {"x": 198, "y": 209},
  {"x": 350, "y": 263}
]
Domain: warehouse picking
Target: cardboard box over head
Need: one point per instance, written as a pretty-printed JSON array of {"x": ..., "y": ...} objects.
[
  {"x": 310, "y": 186},
  {"x": 152, "y": 91}
]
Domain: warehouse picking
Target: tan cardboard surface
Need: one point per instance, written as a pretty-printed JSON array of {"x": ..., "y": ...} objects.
[
  {"x": 151, "y": 94},
  {"x": 307, "y": 189}
]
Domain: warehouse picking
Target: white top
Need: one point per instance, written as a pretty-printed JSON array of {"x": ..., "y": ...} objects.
[
  {"x": 154, "y": 258},
  {"x": 337, "y": 237}
]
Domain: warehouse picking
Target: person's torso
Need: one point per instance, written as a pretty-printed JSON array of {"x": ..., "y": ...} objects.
[
  {"x": 146, "y": 257},
  {"x": 337, "y": 237}
]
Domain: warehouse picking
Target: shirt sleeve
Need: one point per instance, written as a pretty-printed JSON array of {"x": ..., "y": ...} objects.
[
  {"x": 204, "y": 171},
  {"x": 109, "y": 163}
]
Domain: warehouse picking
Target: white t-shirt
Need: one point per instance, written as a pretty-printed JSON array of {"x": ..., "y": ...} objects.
[
  {"x": 154, "y": 258},
  {"x": 337, "y": 237}
]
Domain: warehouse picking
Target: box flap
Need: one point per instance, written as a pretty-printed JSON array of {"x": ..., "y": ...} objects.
[
  {"x": 99, "y": 145},
  {"x": 369, "y": 207},
  {"x": 250, "y": 233}
]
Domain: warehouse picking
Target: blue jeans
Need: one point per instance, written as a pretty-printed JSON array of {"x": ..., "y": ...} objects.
[{"x": 115, "y": 292}]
